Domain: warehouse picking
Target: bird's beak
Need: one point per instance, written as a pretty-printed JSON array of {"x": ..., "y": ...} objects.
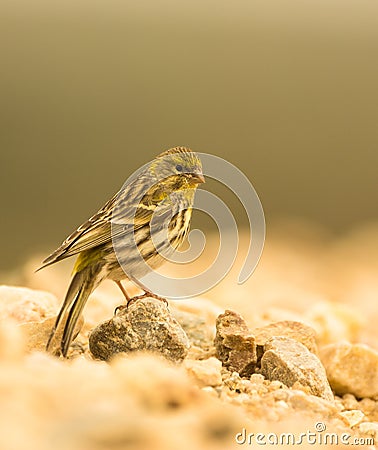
[{"x": 197, "y": 178}]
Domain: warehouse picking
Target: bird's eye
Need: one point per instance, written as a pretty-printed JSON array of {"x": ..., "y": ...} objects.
[{"x": 179, "y": 168}]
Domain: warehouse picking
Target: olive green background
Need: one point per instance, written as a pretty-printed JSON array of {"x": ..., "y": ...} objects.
[{"x": 90, "y": 90}]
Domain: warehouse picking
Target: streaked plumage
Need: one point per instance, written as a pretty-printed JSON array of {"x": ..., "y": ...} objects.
[{"x": 163, "y": 191}]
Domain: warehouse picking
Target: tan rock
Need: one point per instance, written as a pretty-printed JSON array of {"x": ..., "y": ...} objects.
[
  {"x": 146, "y": 324},
  {"x": 351, "y": 368},
  {"x": 369, "y": 429},
  {"x": 257, "y": 378},
  {"x": 290, "y": 362},
  {"x": 26, "y": 305},
  {"x": 287, "y": 328},
  {"x": 299, "y": 401},
  {"x": 235, "y": 345},
  {"x": 206, "y": 372},
  {"x": 353, "y": 417},
  {"x": 370, "y": 408},
  {"x": 37, "y": 333},
  {"x": 349, "y": 401}
]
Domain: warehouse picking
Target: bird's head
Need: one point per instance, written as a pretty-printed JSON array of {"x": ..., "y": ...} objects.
[{"x": 177, "y": 169}]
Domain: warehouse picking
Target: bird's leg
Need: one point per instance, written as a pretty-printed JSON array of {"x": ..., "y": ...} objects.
[
  {"x": 127, "y": 297},
  {"x": 147, "y": 292},
  {"x": 124, "y": 292},
  {"x": 129, "y": 301}
]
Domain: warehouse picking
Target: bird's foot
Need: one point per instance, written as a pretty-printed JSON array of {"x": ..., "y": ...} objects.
[
  {"x": 139, "y": 297},
  {"x": 146, "y": 295}
]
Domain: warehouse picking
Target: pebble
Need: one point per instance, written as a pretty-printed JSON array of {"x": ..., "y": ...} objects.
[
  {"x": 287, "y": 328},
  {"x": 353, "y": 417},
  {"x": 234, "y": 344},
  {"x": 205, "y": 372},
  {"x": 290, "y": 362}
]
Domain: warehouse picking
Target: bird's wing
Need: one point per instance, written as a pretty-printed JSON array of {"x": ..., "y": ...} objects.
[
  {"x": 98, "y": 230},
  {"x": 95, "y": 231}
]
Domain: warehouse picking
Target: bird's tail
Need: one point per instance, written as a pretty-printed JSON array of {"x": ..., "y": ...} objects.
[{"x": 82, "y": 285}]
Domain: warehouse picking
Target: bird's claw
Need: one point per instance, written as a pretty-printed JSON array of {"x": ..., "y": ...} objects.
[
  {"x": 119, "y": 308},
  {"x": 146, "y": 295}
]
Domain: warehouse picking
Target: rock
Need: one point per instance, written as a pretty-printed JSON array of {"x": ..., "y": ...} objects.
[
  {"x": 292, "y": 363},
  {"x": 196, "y": 328},
  {"x": 287, "y": 328},
  {"x": 257, "y": 378},
  {"x": 301, "y": 402},
  {"x": 206, "y": 372},
  {"x": 234, "y": 344},
  {"x": 273, "y": 401},
  {"x": 145, "y": 325},
  {"x": 370, "y": 429},
  {"x": 351, "y": 368},
  {"x": 370, "y": 408},
  {"x": 349, "y": 401},
  {"x": 199, "y": 333},
  {"x": 353, "y": 417},
  {"x": 26, "y": 305},
  {"x": 37, "y": 333}
]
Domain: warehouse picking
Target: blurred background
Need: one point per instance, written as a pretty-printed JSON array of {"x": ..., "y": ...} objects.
[{"x": 285, "y": 90}]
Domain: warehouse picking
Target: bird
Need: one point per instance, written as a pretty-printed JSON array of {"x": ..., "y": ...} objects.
[{"x": 119, "y": 242}]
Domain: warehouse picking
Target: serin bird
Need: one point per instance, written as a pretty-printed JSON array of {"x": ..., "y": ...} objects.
[{"x": 163, "y": 191}]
